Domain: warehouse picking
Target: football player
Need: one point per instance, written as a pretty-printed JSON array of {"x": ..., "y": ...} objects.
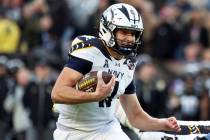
[{"x": 91, "y": 115}]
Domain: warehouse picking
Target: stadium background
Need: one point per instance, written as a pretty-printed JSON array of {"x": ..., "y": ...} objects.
[{"x": 172, "y": 76}]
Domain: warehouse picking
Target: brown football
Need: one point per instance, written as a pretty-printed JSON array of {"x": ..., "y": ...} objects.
[{"x": 89, "y": 82}]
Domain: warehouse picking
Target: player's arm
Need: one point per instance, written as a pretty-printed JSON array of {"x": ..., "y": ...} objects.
[
  {"x": 141, "y": 120},
  {"x": 64, "y": 91}
]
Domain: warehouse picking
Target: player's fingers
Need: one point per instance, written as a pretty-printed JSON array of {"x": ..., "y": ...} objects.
[
  {"x": 177, "y": 128},
  {"x": 100, "y": 79},
  {"x": 172, "y": 120}
]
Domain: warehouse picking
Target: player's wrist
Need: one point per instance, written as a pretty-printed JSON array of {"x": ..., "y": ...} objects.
[
  {"x": 96, "y": 96},
  {"x": 161, "y": 124}
]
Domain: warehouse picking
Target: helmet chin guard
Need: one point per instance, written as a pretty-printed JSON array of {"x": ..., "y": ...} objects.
[{"x": 121, "y": 16}]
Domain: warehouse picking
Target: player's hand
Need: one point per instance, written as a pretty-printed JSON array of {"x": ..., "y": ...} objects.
[
  {"x": 170, "y": 124},
  {"x": 102, "y": 89}
]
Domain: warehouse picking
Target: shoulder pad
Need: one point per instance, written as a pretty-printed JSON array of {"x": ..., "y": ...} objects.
[
  {"x": 82, "y": 42},
  {"x": 86, "y": 41}
]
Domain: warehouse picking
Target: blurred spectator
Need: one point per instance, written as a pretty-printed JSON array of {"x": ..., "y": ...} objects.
[
  {"x": 56, "y": 27},
  {"x": 184, "y": 5},
  {"x": 4, "y": 88},
  {"x": 189, "y": 100},
  {"x": 37, "y": 100},
  {"x": 9, "y": 34},
  {"x": 186, "y": 90},
  {"x": 194, "y": 31},
  {"x": 192, "y": 53},
  {"x": 166, "y": 37},
  {"x": 206, "y": 55},
  {"x": 207, "y": 23},
  {"x": 205, "y": 105},
  {"x": 187, "y": 5},
  {"x": 54, "y": 61},
  {"x": 190, "y": 60},
  {"x": 151, "y": 89},
  {"x": 12, "y": 9},
  {"x": 202, "y": 4},
  {"x": 48, "y": 25},
  {"x": 13, "y": 102},
  {"x": 204, "y": 77},
  {"x": 150, "y": 24},
  {"x": 31, "y": 14},
  {"x": 82, "y": 16},
  {"x": 13, "y": 65},
  {"x": 190, "y": 93}
]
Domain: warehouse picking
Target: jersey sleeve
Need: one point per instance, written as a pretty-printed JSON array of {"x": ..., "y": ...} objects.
[
  {"x": 131, "y": 89},
  {"x": 81, "y": 56},
  {"x": 81, "y": 65}
]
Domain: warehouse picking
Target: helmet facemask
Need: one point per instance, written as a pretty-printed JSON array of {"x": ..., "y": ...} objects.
[{"x": 127, "y": 48}]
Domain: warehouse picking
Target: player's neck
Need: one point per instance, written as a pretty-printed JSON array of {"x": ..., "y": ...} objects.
[{"x": 114, "y": 54}]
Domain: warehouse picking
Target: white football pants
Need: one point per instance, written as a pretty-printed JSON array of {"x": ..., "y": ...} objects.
[{"x": 112, "y": 131}]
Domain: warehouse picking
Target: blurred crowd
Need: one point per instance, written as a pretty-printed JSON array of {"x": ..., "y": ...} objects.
[{"x": 172, "y": 74}]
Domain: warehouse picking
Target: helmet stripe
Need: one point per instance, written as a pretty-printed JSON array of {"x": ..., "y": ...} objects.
[{"x": 124, "y": 11}]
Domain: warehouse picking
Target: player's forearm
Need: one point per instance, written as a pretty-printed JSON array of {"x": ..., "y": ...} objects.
[
  {"x": 144, "y": 121},
  {"x": 69, "y": 95}
]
